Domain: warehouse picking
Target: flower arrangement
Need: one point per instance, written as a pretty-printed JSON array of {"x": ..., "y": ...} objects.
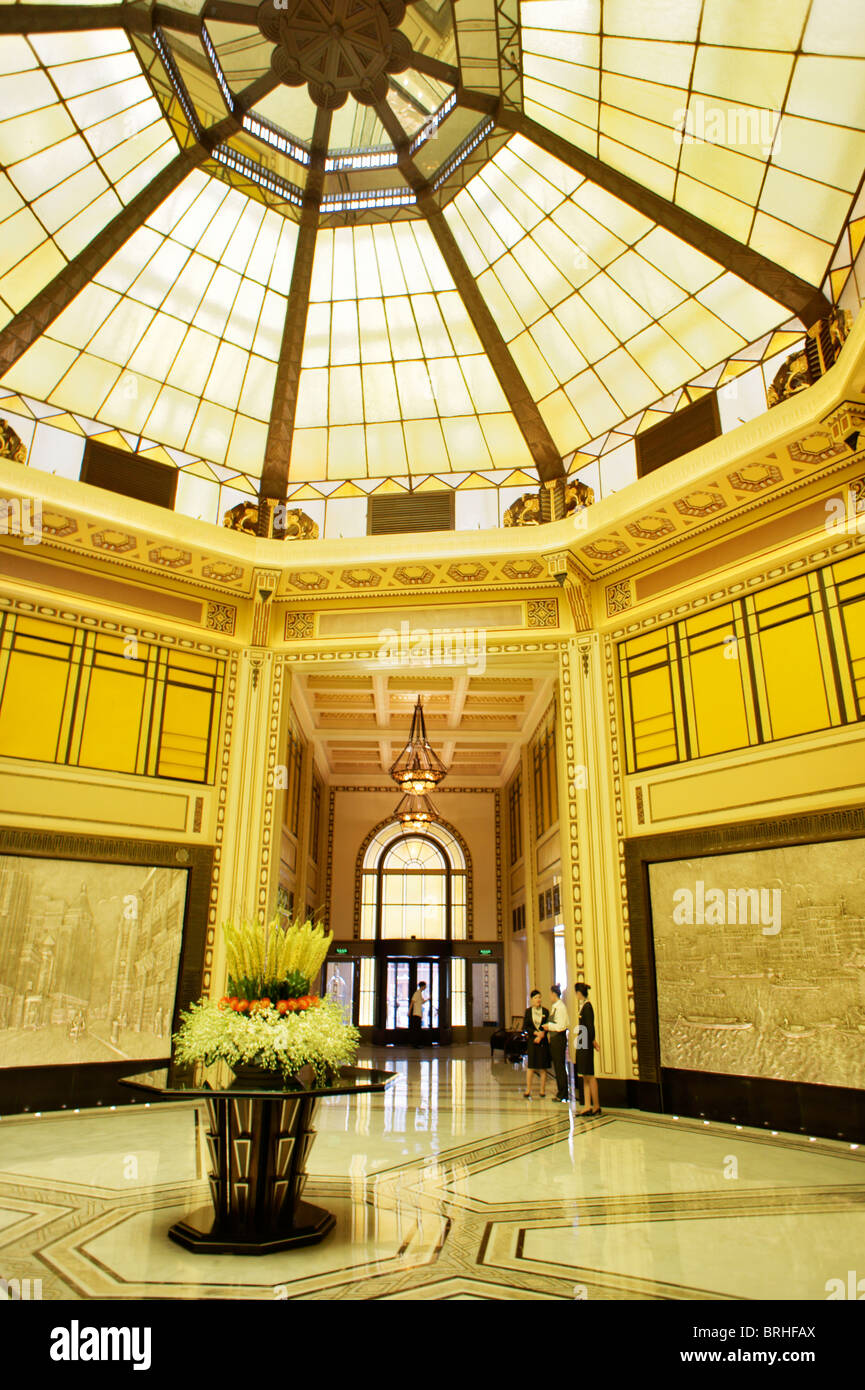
[{"x": 269, "y": 1018}]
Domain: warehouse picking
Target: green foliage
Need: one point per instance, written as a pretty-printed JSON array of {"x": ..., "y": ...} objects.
[{"x": 294, "y": 986}]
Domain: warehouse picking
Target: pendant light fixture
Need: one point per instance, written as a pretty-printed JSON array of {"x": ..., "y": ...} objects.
[
  {"x": 418, "y": 769},
  {"x": 415, "y": 813}
]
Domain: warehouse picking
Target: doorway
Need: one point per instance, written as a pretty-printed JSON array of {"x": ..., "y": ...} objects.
[{"x": 401, "y": 980}]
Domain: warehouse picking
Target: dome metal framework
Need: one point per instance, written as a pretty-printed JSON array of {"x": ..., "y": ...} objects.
[{"x": 362, "y": 241}]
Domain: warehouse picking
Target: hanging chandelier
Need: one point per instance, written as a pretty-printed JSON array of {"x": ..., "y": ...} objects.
[
  {"x": 418, "y": 769},
  {"x": 415, "y": 813}
]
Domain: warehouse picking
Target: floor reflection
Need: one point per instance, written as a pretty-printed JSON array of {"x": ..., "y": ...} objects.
[{"x": 448, "y": 1185}]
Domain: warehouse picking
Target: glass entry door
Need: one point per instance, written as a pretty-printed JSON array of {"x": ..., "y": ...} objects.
[{"x": 401, "y": 981}]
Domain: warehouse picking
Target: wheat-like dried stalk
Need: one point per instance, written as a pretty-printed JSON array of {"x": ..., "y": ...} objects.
[{"x": 265, "y": 952}]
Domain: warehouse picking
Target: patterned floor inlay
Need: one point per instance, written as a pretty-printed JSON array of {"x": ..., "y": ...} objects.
[{"x": 448, "y": 1186}]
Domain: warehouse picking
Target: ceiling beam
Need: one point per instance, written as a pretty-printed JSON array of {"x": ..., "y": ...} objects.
[
  {"x": 370, "y": 738},
  {"x": 806, "y": 301},
  {"x": 434, "y": 67},
  {"x": 545, "y": 455},
  {"x": 31, "y": 322},
  {"x": 174, "y": 18},
  {"x": 232, "y": 121},
  {"x": 274, "y": 476},
  {"x": 63, "y": 19}
]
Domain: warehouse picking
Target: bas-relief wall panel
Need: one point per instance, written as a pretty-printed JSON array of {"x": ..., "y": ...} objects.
[
  {"x": 357, "y": 812},
  {"x": 44, "y": 795},
  {"x": 760, "y": 962},
  {"x": 89, "y": 957}
]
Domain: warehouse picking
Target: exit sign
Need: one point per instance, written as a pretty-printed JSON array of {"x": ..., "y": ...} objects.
[
  {"x": 341, "y": 950},
  {"x": 484, "y": 953}
]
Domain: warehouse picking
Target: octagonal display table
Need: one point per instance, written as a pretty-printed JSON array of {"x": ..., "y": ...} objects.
[{"x": 259, "y": 1136}]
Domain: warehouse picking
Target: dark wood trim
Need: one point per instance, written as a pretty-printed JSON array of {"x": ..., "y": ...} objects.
[
  {"x": 62, "y": 19},
  {"x": 274, "y": 475},
  {"x": 829, "y": 1111},
  {"x": 434, "y": 67},
  {"x": 802, "y": 299},
  {"x": 65, "y": 1087}
]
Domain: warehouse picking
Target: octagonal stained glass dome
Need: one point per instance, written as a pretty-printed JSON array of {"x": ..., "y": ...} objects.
[{"x": 345, "y": 246}]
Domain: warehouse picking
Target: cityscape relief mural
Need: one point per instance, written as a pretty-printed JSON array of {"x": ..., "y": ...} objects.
[
  {"x": 89, "y": 955},
  {"x": 760, "y": 962}
]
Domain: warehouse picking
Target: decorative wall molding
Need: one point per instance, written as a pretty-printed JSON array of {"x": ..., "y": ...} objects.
[
  {"x": 542, "y": 612},
  {"x": 613, "y": 724},
  {"x": 568, "y": 814},
  {"x": 498, "y": 826},
  {"x": 827, "y": 554},
  {"x": 328, "y": 873},
  {"x": 274, "y": 753},
  {"x": 76, "y": 618},
  {"x": 221, "y": 617},
  {"x": 230, "y": 709},
  {"x": 620, "y": 597},
  {"x": 298, "y": 626}
]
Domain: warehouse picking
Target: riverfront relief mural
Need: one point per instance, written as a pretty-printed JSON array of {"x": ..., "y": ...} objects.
[
  {"x": 760, "y": 961},
  {"x": 89, "y": 956}
]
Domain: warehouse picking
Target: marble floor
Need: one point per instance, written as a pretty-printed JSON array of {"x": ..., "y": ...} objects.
[{"x": 447, "y": 1186}]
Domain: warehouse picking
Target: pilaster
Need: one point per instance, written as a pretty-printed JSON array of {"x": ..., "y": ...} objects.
[
  {"x": 591, "y": 826},
  {"x": 254, "y": 800},
  {"x": 530, "y": 861}
]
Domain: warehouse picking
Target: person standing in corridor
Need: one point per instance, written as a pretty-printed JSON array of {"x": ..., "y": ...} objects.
[
  {"x": 538, "y": 1058},
  {"x": 415, "y": 1013},
  {"x": 556, "y": 1029},
  {"x": 584, "y": 1052}
]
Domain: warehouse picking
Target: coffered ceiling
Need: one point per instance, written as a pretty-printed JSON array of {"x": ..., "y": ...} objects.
[{"x": 359, "y": 720}]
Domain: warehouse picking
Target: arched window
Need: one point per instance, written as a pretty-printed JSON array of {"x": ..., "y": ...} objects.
[{"x": 413, "y": 885}]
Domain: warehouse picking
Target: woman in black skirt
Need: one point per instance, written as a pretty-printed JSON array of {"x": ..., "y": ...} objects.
[
  {"x": 538, "y": 1058},
  {"x": 584, "y": 1054}
]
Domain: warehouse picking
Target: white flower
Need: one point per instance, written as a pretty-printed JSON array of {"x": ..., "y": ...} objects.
[{"x": 317, "y": 1037}]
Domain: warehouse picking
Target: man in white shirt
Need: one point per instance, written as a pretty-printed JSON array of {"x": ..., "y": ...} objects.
[
  {"x": 557, "y": 1031},
  {"x": 415, "y": 1013}
]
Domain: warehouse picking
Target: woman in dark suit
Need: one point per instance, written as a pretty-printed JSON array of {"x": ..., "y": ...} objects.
[
  {"x": 584, "y": 1051},
  {"x": 538, "y": 1058}
]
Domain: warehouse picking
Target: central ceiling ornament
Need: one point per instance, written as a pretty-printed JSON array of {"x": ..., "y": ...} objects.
[{"x": 338, "y": 48}]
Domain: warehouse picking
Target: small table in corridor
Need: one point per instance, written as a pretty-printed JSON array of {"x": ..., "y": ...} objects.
[{"x": 259, "y": 1137}]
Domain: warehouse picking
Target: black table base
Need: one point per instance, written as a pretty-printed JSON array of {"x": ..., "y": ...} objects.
[
  {"x": 259, "y": 1133},
  {"x": 201, "y": 1234}
]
